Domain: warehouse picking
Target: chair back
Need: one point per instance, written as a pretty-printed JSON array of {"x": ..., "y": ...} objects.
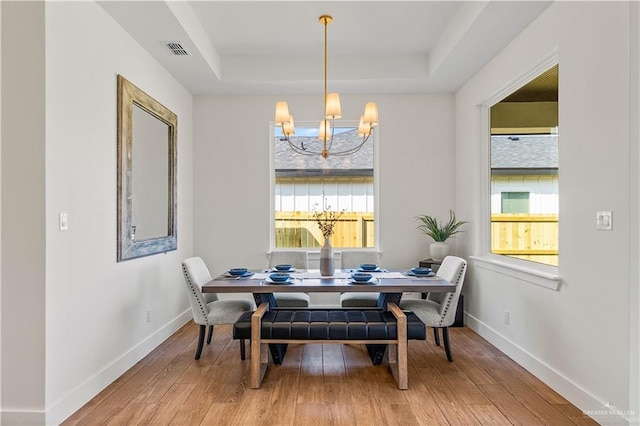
[
  {"x": 295, "y": 258},
  {"x": 354, "y": 258},
  {"x": 195, "y": 275},
  {"x": 452, "y": 269}
]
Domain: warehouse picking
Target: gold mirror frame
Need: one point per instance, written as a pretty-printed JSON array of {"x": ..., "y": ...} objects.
[{"x": 128, "y": 247}]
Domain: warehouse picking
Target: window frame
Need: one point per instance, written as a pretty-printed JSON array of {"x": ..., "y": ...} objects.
[
  {"x": 272, "y": 187},
  {"x": 532, "y": 272}
]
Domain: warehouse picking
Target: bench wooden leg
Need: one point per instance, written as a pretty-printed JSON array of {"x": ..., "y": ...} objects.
[
  {"x": 398, "y": 352},
  {"x": 259, "y": 350}
]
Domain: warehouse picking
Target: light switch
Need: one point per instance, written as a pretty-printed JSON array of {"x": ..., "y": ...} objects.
[
  {"x": 63, "y": 222},
  {"x": 604, "y": 220}
]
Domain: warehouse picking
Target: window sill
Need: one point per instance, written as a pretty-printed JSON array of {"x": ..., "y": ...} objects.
[{"x": 550, "y": 280}]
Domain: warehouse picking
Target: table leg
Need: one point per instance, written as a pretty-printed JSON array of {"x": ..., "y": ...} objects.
[
  {"x": 376, "y": 352},
  {"x": 386, "y": 298},
  {"x": 277, "y": 349},
  {"x": 261, "y": 298}
]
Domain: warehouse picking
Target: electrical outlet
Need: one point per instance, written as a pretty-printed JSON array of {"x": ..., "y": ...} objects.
[
  {"x": 148, "y": 315},
  {"x": 506, "y": 317}
]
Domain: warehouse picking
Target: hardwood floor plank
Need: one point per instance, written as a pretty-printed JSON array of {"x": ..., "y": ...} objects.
[
  {"x": 422, "y": 403},
  {"x": 283, "y": 399},
  {"x": 467, "y": 364},
  {"x": 488, "y": 414},
  {"x": 463, "y": 387},
  {"x": 354, "y": 356},
  {"x": 398, "y": 414},
  {"x": 575, "y": 415},
  {"x": 453, "y": 408},
  {"x": 161, "y": 383},
  {"x": 333, "y": 367},
  {"x": 326, "y": 385},
  {"x": 533, "y": 382},
  {"x": 540, "y": 407},
  {"x": 311, "y": 382},
  {"x": 510, "y": 407},
  {"x": 169, "y": 404},
  {"x": 340, "y": 415},
  {"x": 308, "y": 414},
  {"x": 222, "y": 414},
  {"x": 133, "y": 414}
]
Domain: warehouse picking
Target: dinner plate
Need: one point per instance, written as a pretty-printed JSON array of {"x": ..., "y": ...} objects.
[
  {"x": 372, "y": 280},
  {"x": 430, "y": 274},
  {"x": 270, "y": 281},
  {"x": 378, "y": 269},
  {"x": 246, "y": 274},
  {"x": 282, "y": 270}
]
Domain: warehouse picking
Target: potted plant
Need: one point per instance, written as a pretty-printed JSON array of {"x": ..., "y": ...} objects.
[{"x": 440, "y": 233}]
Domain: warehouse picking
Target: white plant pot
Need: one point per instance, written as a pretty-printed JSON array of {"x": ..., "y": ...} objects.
[{"x": 439, "y": 251}]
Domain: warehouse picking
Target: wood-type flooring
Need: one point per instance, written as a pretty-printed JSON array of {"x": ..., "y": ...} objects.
[{"x": 327, "y": 384}]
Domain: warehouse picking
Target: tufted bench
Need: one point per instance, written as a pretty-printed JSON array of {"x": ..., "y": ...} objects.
[{"x": 373, "y": 327}]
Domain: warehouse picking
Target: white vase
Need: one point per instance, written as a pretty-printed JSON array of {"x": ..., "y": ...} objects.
[
  {"x": 438, "y": 251},
  {"x": 327, "y": 263}
]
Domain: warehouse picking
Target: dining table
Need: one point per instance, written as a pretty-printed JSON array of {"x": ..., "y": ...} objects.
[{"x": 390, "y": 284}]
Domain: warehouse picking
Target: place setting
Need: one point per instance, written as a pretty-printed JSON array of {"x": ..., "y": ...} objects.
[
  {"x": 283, "y": 268},
  {"x": 282, "y": 278},
  {"x": 421, "y": 272},
  {"x": 370, "y": 267},
  {"x": 362, "y": 278},
  {"x": 237, "y": 273}
]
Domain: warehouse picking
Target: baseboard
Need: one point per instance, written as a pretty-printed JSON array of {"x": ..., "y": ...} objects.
[
  {"x": 581, "y": 398},
  {"x": 57, "y": 412}
]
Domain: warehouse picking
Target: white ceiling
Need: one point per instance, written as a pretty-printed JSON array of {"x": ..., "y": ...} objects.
[{"x": 276, "y": 47}]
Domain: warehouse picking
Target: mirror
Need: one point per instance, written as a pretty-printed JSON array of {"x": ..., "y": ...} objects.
[{"x": 147, "y": 131}]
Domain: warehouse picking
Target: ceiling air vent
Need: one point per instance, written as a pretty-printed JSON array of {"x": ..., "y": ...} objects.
[{"x": 176, "y": 48}]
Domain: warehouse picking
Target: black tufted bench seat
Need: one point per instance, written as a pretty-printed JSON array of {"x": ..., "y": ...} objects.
[{"x": 372, "y": 327}]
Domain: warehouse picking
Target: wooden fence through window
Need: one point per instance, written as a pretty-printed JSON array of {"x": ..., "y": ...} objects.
[
  {"x": 526, "y": 236},
  {"x": 300, "y": 229}
]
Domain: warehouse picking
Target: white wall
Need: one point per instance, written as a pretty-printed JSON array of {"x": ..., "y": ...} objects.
[
  {"x": 91, "y": 326},
  {"x": 577, "y": 338},
  {"x": 23, "y": 204},
  {"x": 232, "y": 178}
]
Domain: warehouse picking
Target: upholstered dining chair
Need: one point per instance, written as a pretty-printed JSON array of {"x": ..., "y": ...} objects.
[
  {"x": 438, "y": 310},
  {"x": 298, "y": 260},
  {"x": 352, "y": 259},
  {"x": 206, "y": 308}
]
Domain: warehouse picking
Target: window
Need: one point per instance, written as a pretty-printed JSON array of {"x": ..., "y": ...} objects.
[
  {"x": 301, "y": 182},
  {"x": 524, "y": 171},
  {"x": 515, "y": 202}
]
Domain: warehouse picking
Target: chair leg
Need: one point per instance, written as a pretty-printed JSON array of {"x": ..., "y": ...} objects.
[
  {"x": 242, "y": 350},
  {"x": 436, "y": 336},
  {"x": 447, "y": 347},
  {"x": 203, "y": 330},
  {"x": 210, "y": 334}
]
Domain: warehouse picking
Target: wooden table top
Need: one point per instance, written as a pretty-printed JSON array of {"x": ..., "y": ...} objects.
[{"x": 311, "y": 282}]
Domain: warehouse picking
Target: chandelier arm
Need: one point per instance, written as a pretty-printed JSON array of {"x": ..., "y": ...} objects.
[
  {"x": 302, "y": 151},
  {"x": 333, "y": 129},
  {"x": 353, "y": 149}
]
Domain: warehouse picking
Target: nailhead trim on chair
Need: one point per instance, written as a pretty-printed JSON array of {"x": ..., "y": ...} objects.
[
  {"x": 203, "y": 311},
  {"x": 450, "y": 298}
]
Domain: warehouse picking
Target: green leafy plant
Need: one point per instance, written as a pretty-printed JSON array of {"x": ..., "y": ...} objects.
[{"x": 440, "y": 232}]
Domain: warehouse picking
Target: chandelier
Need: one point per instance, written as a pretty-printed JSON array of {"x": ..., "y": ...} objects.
[{"x": 332, "y": 112}]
